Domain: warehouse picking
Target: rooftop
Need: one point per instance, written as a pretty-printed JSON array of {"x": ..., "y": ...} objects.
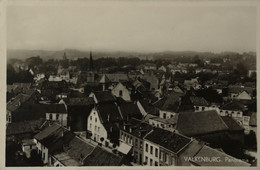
[
  {"x": 101, "y": 157},
  {"x": 129, "y": 109},
  {"x": 104, "y": 96},
  {"x": 233, "y": 105},
  {"x": 80, "y": 101},
  {"x": 198, "y": 101},
  {"x": 169, "y": 140},
  {"x": 224, "y": 159},
  {"x": 232, "y": 124},
  {"x": 55, "y": 108},
  {"x": 200, "y": 123}
]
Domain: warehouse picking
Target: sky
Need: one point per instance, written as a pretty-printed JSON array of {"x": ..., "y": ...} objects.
[{"x": 132, "y": 26}]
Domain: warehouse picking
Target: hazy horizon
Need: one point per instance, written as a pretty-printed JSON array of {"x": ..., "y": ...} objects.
[{"x": 131, "y": 26}]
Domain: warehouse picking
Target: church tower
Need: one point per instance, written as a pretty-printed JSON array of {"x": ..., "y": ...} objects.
[
  {"x": 91, "y": 66},
  {"x": 91, "y": 72},
  {"x": 64, "y": 56}
]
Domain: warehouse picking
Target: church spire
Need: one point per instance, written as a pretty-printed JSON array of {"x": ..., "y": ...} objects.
[
  {"x": 64, "y": 56},
  {"x": 91, "y": 67}
]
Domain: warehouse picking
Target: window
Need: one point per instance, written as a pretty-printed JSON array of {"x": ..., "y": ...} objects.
[
  {"x": 50, "y": 116},
  {"x": 171, "y": 116},
  {"x": 90, "y": 117},
  {"x": 151, "y": 150},
  {"x": 164, "y": 115},
  {"x": 151, "y": 162},
  {"x": 146, "y": 147},
  {"x": 95, "y": 119},
  {"x": 146, "y": 159},
  {"x": 120, "y": 93},
  {"x": 98, "y": 129},
  {"x": 57, "y": 116},
  {"x": 203, "y": 108},
  {"x": 90, "y": 125},
  {"x": 156, "y": 152},
  {"x": 166, "y": 158},
  {"x": 156, "y": 163},
  {"x": 131, "y": 139},
  {"x": 95, "y": 128},
  {"x": 141, "y": 145}
]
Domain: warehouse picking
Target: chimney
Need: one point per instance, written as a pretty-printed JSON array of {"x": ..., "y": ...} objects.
[
  {"x": 124, "y": 127},
  {"x": 108, "y": 117},
  {"x": 130, "y": 130}
]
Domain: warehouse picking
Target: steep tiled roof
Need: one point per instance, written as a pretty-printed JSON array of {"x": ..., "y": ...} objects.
[
  {"x": 60, "y": 135},
  {"x": 55, "y": 108},
  {"x": 207, "y": 152},
  {"x": 169, "y": 103},
  {"x": 104, "y": 96},
  {"x": 109, "y": 112},
  {"x": 167, "y": 139},
  {"x": 138, "y": 128},
  {"x": 66, "y": 160},
  {"x": 131, "y": 110},
  {"x": 148, "y": 107},
  {"x": 101, "y": 157},
  {"x": 79, "y": 149},
  {"x": 199, "y": 123},
  {"x": 175, "y": 142},
  {"x": 116, "y": 77},
  {"x": 233, "y": 105},
  {"x": 29, "y": 111},
  {"x": 239, "y": 89},
  {"x": 153, "y": 136},
  {"x": 47, "y": 131},
  {"x": 80, "y": 101},
  {"x": 198, "y": 101},
  {"x": 24, "y": 127},
  {"x": 17, "y": 102},
  {"x": 190, "y": 151},
  {"x": 232, "y": 124}
]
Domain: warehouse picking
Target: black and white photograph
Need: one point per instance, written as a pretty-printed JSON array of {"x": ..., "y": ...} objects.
[{"x": 130, "y": 83}]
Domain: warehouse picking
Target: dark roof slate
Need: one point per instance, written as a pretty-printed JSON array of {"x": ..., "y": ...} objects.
[
  {"x": 233, "y": 105},
  {"x": 55, "y": 108},
  {"x": 130, "y": 109},
  {"x": 199, "y": 123},
  {"x": 232, "y": 124},
  {"x": 104, "y": 96},
  {"x": 101, "y": 157}
]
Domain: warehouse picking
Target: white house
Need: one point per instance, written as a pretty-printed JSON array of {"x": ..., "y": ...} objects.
[
  {"x": 121, "y": 91},
  {"x": 103, "y": 122},
  {"x": 151, "y": 153},
  {"x": 57, "y": 112}
]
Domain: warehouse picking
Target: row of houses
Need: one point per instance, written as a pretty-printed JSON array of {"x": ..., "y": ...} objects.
[
  {"x": 169, "y": 149},
  {"x": 60, "y": 147}
]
